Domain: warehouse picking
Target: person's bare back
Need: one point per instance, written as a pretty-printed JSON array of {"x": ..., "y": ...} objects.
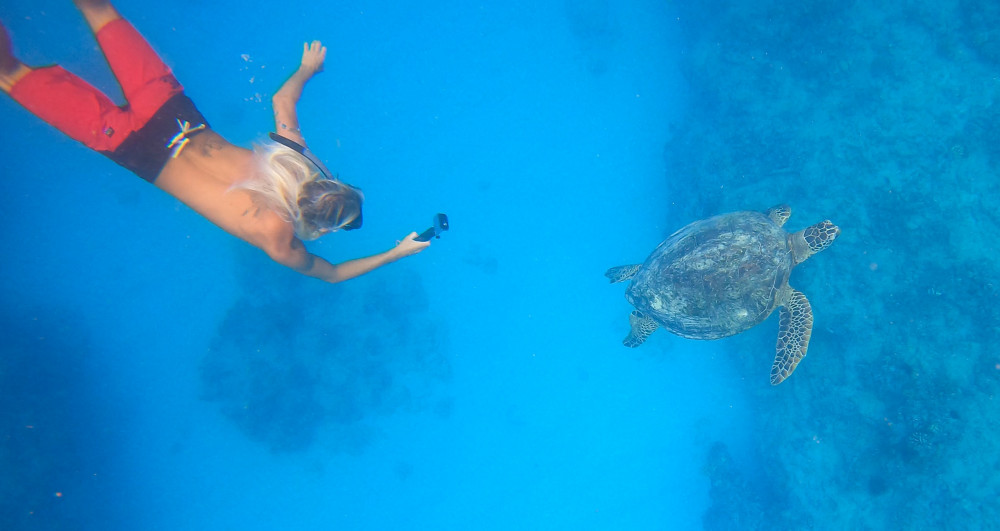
[{"x": 202, "y": 177}]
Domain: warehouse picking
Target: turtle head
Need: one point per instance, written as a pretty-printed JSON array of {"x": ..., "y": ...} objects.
[{"x": 812, "y": 240}]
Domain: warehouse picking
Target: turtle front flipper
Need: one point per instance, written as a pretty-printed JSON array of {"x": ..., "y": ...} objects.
[
  {"x": 795, "y": 322},
  {"x": 779, "y": 214},
  {"x": 642, "y": 326},
  {"x": 622, "y": 273}
]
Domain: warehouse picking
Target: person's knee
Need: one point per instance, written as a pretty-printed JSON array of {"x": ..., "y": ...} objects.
[{"x": 9, "y": 78}]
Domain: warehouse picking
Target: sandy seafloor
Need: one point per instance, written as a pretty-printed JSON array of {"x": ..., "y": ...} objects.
[{"x": 156, "y": 373}]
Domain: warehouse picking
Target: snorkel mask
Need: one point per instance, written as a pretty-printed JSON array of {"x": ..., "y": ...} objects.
[
  {"x": 355, "y": 223},
  {"x": 323, "y": 171}
]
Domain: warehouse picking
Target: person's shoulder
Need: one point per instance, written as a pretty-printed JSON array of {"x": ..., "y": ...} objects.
[
  {"x": 284, "y": 247},
  {"x": 274, "y": 228}
]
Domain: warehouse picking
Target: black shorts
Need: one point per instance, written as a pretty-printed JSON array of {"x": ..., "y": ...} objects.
[{"x": 145, "y": 152}]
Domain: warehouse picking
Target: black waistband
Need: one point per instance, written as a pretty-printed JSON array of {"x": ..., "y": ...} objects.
[{"x": 145, "y": 152}]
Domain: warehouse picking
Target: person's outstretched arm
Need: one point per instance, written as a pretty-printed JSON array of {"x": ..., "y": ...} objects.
[
  {"x": 286, "y": 121},
  {"x": 298, "y": 258}
]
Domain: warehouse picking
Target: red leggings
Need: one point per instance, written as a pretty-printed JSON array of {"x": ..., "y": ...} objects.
[{"x": 86, "y": 114}]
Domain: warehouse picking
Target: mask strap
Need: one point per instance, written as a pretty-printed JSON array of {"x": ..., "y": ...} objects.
[{"x": 304, "y": 151}]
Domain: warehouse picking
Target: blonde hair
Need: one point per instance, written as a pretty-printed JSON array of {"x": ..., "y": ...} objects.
[{"x": 288, "y": 184}]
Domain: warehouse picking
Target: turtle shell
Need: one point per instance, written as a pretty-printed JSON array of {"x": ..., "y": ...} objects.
[{"x": 715, "y": 277}]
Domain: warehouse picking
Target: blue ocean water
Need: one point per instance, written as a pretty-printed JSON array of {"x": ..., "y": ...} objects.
[{"x": 156, "y": 373}]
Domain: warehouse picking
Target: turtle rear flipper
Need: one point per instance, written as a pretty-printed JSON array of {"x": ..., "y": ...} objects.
[
  {"x": 795, "y": 322},
  {"x": 622, "y": 273},
  {"x": 642, "y": 326}
]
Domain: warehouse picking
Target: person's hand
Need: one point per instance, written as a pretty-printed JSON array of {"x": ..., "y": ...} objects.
[
  {"x": 313, "y": 55},
  {"x": 409, "y": 246}
]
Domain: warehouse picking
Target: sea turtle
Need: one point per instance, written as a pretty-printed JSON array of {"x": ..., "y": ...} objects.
[{"x": 722, "y": 275}]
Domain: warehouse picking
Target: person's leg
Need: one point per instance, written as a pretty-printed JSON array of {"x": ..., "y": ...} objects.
[
  {"x": 146, "y": 82},
  {"x": 97, "y": 13},
  {"x": 11, "y": 69},
  {"x": 62, "y": 100}
]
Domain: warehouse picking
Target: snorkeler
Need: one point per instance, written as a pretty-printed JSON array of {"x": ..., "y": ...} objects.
[{"x": 273, "y": 197}]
